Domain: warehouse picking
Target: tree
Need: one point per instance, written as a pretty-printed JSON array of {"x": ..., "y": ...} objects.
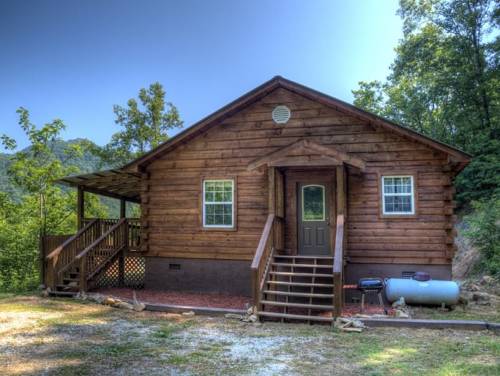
[
  {"x": 36, "y": 168},
  {"x": 143, "y": 128},
  {"x": 444, "y": 83},
  {"x": 44, "y": 207}
]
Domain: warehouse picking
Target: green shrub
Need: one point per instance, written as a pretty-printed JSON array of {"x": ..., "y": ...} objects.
[{"x": 484, "y": 232}]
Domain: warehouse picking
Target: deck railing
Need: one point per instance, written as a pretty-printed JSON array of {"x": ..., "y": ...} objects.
[
  {"x": 134, "y": 229},
  {"x": 96, "y": 256},
  {"x": 63, "y": 256},
  {"x": 134, "y": 234},
  {"x": 270, "y": 241},
  {"x": 338, "y": 267}
]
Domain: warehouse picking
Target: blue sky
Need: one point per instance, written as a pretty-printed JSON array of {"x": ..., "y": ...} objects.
[{"x": 75, "y": 59}]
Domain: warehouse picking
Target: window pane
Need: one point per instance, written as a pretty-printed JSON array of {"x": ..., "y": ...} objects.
[
  {"x": 209, "y": 186},
  {"x": 218, "y": 214},
  {"x": 227, "y": 209},
  {"x": 313, "y": 203},
  {"x": 388, "y": 188},
  {"x": 209, "y": 219},
  {"x": 228, "y": 196},
  {"x": 228, "y": 186},
  {"x": 398, "y": 204}
]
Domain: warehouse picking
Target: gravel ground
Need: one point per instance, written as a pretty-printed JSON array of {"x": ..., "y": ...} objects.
[{"x": 69, "y": 337}]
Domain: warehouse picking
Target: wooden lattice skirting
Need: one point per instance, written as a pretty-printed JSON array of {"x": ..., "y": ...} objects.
[{"x": 135, "y": 268}]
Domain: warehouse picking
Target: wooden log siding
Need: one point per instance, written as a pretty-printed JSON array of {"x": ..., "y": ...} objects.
[{"x": 171, "y": 189}]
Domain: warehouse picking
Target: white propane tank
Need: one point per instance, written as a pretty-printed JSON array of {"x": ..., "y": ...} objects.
[{"x": 417, "y": 292}]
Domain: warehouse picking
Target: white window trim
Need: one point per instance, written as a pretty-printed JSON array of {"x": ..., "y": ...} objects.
[
  {"x": 411, "y": 194},
  {"x": 221, "y": 202},
  {"x": 323, "y": 188}
]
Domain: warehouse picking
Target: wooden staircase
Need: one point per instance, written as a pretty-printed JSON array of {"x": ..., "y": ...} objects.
[
  {"x": 298, "y": 288},
  {"x": 70, "y": 283},
  {"x": 74, "y": 265}
]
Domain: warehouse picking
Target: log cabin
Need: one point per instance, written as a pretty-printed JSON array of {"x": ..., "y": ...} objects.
[{"x": 285, "y": 194}]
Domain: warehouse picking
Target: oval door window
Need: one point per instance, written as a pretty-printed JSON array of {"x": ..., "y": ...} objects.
[{"x": 313, "y": 203}]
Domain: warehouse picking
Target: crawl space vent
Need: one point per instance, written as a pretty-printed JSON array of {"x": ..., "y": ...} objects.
[{"x": 281, "y": 114}]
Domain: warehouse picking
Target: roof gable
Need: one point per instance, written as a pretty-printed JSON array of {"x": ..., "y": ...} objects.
[
  {"x": 261, "y": 91},
  {"x": 291, "y": 154}
]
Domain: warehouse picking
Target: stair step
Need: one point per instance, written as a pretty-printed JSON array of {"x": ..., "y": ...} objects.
[
  {"x": 297, "y": 305},
  {"x": 304, "y": 257},
  {"x": 300, "y": 284},
  {"x": 293, "y": 274},
  {"x": 67, "y": 288},
  {"x": 302, "y": 294},
  {"x": 301, "y": 265},
  {"x": 69, "y": 280},
  {"x": 294, "y": 317},
  {"x": 63, "y": 293}
]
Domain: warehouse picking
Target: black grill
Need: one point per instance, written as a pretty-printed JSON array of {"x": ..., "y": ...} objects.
[{"x": 370, "y": 284}]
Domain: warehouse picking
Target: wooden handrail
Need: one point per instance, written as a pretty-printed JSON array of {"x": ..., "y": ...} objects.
[
  {"x": 338, "y": 267},
  {"x": 100, "y": 239},
  {"x": 58, "y": 250},
  {"x": 94, "y": 257},
  {"x": 263, "y": 241},
  {"x": 262, "y": 258}
]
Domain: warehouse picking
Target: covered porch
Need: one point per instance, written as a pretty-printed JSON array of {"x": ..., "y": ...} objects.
[
  {"x": 301, "y": 250},
  {"x": 116, "y": 184},
  {"x": 104, "y": 252}
]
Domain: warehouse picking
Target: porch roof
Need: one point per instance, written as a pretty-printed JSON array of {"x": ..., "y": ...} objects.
[
  {"x": 307, "y": 153},
  {"x": 114, "y": 183}
]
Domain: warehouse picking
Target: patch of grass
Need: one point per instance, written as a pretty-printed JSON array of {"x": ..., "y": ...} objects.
[
  {"x": 400, "y": 356},
  {"x": 312, "y": 330},
  {"x": 167, "y": 330},
  {"x": 18, "y": 307},
  {"x": 116, "y": 349},
  {"x": 492, "y": 314},
  {"x": 72, "y": 370},
  {"x": 206, "y": 353},
  {"x": 10, "y": 295},
  {"x": 6, "y": 295}
]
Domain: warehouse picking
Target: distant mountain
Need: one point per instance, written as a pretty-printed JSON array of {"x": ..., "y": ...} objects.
[{"x": 87, "y": 163}]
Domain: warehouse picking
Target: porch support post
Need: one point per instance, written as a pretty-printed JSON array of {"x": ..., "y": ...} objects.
[
  {"x": 341, "y": 201},
  {"x": 271, "y": 171},
  {"x": 121, "y": 257},
  {"x": 123, "y": 208},
  {"x": 341, "y": 187},
  {"x": 80, "y": 207}
]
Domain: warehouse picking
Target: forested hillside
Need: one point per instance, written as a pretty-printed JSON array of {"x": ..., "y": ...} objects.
[{"x": 88, "y": 162}]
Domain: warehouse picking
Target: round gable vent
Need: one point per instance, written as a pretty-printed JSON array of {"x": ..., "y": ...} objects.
[{"x": 281, "y": 114}]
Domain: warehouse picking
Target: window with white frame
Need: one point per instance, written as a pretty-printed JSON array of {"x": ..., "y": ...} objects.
[
  {"x": 398, "y": 195},
  {"x": 218, "y": 203}
]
